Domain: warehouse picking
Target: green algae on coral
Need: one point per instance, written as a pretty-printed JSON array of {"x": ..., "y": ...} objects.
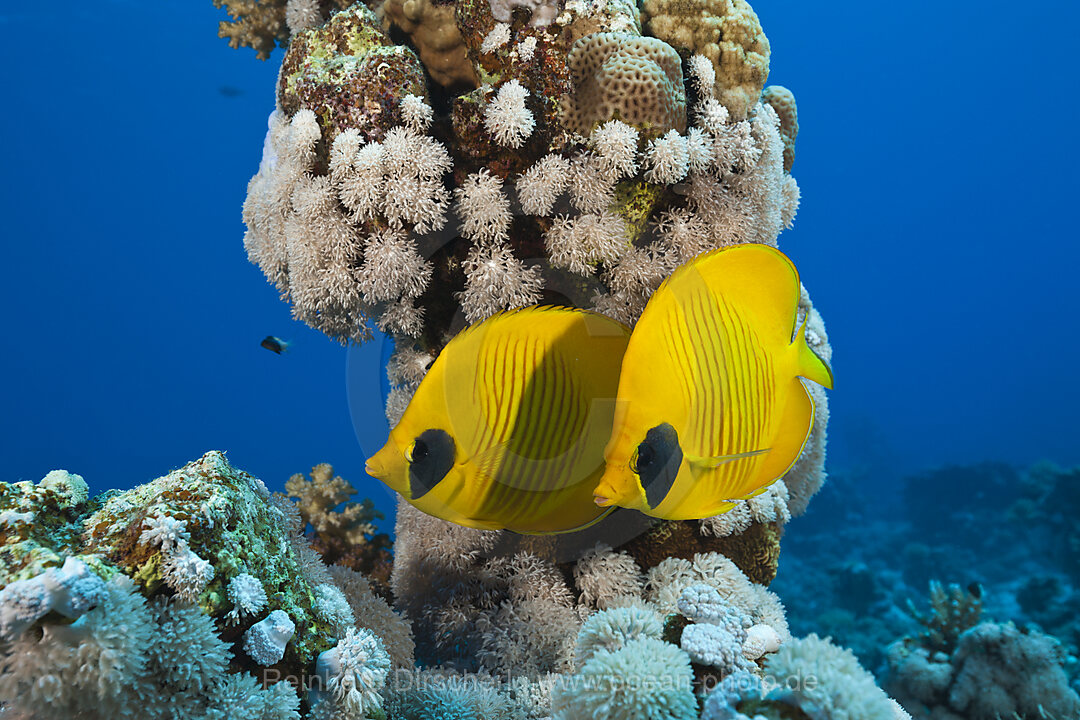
[{"x": 350, "y": 74}]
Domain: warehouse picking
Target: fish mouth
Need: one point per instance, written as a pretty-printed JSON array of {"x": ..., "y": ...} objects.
[
  {"x": 375, "y": 467},
  {"x": 605, "y": 494}
]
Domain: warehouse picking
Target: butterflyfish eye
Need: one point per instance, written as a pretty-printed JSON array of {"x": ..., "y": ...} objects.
[
  {"x": 643, "y": 458},
  {"x": 417, "y": 452},
  {"x": 657, "y": 462},
  {"x": 430, "y": 457}
]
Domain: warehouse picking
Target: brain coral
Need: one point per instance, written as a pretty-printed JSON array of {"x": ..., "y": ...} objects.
[
  {"x": 618, "y": 75},
  {"x": 725, "y": 31}
]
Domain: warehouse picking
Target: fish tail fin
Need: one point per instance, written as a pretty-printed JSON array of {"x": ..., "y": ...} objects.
[{"x": 808, "y": 364}]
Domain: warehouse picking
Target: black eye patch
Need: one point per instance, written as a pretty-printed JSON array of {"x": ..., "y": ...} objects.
[
  {"x": 657, "y": 462},
  {"x": 431, "y": 459}
]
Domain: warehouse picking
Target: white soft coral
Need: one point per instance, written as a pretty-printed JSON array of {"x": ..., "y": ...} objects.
[
  {"x": 506, "y": 117},
  {"x": 354, "y": 672}
]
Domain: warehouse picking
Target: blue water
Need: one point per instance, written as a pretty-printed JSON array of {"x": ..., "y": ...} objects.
[{"x": 937, "y": 160}]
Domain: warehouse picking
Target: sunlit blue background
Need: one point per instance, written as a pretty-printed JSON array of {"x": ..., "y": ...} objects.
[{"x": 937, "y": 160}]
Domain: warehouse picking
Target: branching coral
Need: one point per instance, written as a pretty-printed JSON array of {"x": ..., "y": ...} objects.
[
  {"x": 345, "y": 536},
  {"x": 259, "y": 24},
  {"x": 952, "y": 611},
  {"x": 318, "y": 497}
]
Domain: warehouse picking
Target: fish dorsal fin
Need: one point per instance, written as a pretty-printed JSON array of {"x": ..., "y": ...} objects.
[
  {"x": 810, "y": 364},
  {"x": 757, "y": 279}
]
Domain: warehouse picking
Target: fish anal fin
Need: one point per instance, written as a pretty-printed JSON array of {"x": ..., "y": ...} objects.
[{"x": 791, "y": 435}]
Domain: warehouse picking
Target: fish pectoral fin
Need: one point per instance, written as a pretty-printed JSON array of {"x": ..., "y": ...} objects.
[{"x": 708, "y": 463}]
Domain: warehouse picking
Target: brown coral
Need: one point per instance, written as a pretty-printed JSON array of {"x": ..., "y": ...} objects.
[
  {"x": 261, "y": 24},
  {"x": 727, "y": 32},
  {"x": 756, "y": 550},
  {"x": 535, "y": 57},
  {"x": 782, "y": 101},
  {"x": 433, "y": 29},
  {"x": 347, "y": 536},
  {"x": 634, "y": 79}
]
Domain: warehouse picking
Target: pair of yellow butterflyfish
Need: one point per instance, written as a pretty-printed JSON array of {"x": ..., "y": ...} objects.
[{"x": 544, "y": 419}]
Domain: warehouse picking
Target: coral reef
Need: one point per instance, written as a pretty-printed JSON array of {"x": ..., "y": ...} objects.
[
  {"x": 525, "y": 156},
  {"x": 961, "y": 667},
  {"x": 995, "y": 671},
  {"x": 1050, "y": 501},
  {"x": 431, "y": 163},
  {"x": 188, "y": 597},
  {"x": 575, "y": 131}
]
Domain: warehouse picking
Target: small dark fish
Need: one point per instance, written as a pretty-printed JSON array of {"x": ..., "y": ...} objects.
[
  {"x": 275, "y": 344},
  {"x": 230, "y": 91}
]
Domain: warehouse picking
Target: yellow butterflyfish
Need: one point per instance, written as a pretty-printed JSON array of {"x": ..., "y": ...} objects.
[
  {"x": 508, "y": 427},
  {"x": 711, "y": 407}
]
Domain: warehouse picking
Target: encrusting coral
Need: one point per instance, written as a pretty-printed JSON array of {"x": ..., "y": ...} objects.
[{"x": 188, "y": 597}]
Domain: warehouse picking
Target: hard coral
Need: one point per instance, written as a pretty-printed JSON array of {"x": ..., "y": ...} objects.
[
  {"x": 995, "y": 671},
  {"x": 433, "y": 29},
  {"x": 728, "y": 33},
  {"x": 782, "y": 101},
  {"x": 621, "y": 76}
]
